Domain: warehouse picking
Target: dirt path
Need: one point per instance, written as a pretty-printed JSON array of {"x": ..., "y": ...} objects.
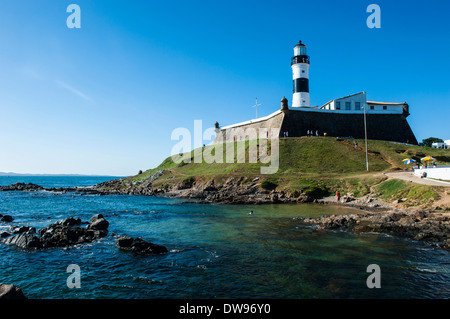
[{"x": 409, "y": 176}]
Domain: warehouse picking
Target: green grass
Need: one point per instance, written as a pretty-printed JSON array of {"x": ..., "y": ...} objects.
[
  {"x": 395, "y": 189},
  {"x": 334, "y": 164}
]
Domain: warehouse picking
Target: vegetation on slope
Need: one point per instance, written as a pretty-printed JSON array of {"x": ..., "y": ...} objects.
[{"x": 309, "y": 163}]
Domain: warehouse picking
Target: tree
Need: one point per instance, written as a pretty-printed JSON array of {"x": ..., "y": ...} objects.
[
  {"x": 140, "y": 172},
  {"x": 431, "y": 140}
]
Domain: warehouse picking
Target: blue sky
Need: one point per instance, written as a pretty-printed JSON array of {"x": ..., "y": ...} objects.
[{"x": 104, "y": 99}]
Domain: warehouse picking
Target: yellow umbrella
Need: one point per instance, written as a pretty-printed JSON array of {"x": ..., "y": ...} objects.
[{"x": 428, "y": 158}]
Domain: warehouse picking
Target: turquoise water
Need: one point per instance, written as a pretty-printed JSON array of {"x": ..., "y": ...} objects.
[{"x": 215, "y": 251}]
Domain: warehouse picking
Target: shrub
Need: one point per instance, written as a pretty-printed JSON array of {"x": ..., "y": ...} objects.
[
  {"x": 269, "y": 185},
  {"x": 317, "y": 191},
  {"x": 189, "y": 181}
]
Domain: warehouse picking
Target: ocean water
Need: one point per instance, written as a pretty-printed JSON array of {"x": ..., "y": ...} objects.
[{"x": 215, "y": 251}]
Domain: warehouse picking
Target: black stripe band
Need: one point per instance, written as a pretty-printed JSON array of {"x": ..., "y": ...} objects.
[{"x": 301, "y": 85}]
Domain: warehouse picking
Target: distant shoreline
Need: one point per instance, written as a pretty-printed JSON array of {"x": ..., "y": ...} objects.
[{"x": 55, "y": 175}]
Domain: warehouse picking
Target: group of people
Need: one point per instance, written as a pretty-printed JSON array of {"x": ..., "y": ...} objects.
[
  {"x": 312, "y": 133},
  {"x": 308, "y": 132},
  {"x": 425, "y": 164}
]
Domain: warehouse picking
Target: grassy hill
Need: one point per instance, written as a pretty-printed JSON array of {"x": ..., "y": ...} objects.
[{"x": 308, "y": 162}]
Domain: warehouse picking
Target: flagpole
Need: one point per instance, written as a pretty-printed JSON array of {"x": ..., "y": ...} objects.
[{"x": 365, "y": 131}]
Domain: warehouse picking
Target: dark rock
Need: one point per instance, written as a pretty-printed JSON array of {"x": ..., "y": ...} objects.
[
  {"x": 96, "y": 217},
  {"x": 4, "y": 234},
  {"x": 70, "y": 221},
  {"x": 22, "y": 187},
  {"x": 303, "y": 198},
  {"x": 11, "y": 292},
  {"x": 418, "y": 225},
  {"x": 22, "y": 230},
  {"x": 124, "y": 242},
  {"x": 59, "y": 234},
  {"x": 445, "y": 244},
  {"x": 6, "y": 219},
  {"x": 139, "y": 246},
  {"x": 24, "y": 241},
  {"x": 98, "y": 222}
]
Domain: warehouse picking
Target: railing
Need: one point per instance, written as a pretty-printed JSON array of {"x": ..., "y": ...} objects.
[{"x": 300, "y": 59}]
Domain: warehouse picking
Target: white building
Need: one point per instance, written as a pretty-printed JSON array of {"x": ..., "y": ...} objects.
[
  {"x": 445, "y": 144},
  {"x": 355, "y": 104}
]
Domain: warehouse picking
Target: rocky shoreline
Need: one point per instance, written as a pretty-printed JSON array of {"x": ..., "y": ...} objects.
[
  {"x": 418, "y": 224},
  {"x": 371, "y": 214},
  {"x": 30, "y": 187}
]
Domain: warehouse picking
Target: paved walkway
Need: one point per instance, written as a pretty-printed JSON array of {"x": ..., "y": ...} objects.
[{"x": 409, "y": 176}]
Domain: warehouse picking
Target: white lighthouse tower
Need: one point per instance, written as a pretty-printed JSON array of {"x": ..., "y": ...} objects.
[{"x": 300, "y": 73}]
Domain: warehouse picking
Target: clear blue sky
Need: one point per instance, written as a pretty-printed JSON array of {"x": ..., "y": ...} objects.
[{"x": 104, "y": 99}]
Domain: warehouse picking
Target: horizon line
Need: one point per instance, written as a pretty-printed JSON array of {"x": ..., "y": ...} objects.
[{"x": 49, "y": 174}]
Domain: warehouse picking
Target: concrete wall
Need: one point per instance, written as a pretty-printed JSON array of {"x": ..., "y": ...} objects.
[
  {"x": 439, "y": 172},
  {"x": 270, "y": 125}
]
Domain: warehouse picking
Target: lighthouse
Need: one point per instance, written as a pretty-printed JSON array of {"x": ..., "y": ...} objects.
[{"x": 300, "y": 74}]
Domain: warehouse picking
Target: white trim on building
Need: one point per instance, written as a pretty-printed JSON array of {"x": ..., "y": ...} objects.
[{"x": 251, "y": 121}]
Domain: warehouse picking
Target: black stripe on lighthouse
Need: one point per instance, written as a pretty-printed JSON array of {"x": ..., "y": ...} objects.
[{"x": 301, "y": 85}]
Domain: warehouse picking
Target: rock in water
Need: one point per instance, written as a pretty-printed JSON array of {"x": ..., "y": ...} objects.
[
  {"x": 98, "y": 222},
  {"x": 70, "y": 221},
  {"x": 21, "y": 187},
  {"x": 11, "y": 292},
  {"x": 140, "y": 246},
  {"x": 6, "y": 219},
  {"x": 24, "y": 241},
  {"x": 65, "y": 233},
  {"x": 22, "y": 230},
  {"x": 59, "y": 234}
]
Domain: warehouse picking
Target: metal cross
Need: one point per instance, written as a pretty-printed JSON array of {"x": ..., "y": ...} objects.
[{"x": 256, "y": 106}]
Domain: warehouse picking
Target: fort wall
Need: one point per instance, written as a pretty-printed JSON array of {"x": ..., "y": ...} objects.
[{"x": 296, "y": 123}]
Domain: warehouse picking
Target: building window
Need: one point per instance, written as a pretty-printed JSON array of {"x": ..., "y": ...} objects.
[
  {"x": 372, "y": 107},
  {"x": 384, "y": 107},
  {"x": 358, "y": 106},
  {"x": 348, "y": 106},
  {"x": 338, "y": 105}
]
